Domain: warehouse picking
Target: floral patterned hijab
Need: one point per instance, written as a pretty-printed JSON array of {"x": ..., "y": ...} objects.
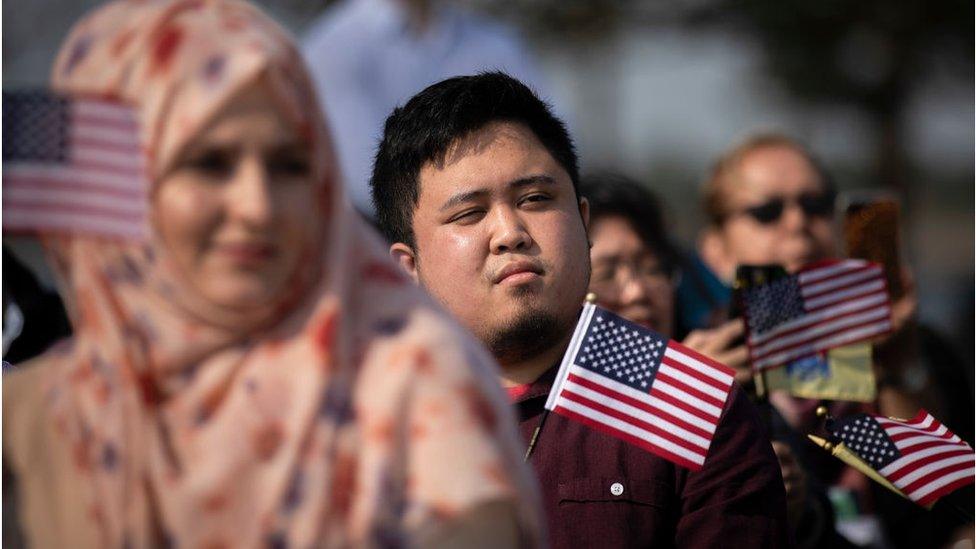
[{"x": 350, "y": 411}]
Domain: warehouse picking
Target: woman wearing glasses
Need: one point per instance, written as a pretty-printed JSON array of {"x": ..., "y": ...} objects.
[
  {"x": 767, "y": 201},
  {"x": 636, "y": 267},
  {"x": 635, "y": 273}
]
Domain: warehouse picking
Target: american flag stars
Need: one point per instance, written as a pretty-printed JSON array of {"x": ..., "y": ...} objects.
[
  {"x": 920, "y": 456},
  {"x": 622, "y": 352},
  {"x": 634, "y": 384},
  {"x": 866, "y": 437}
]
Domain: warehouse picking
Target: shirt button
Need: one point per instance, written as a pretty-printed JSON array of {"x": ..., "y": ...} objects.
[{"x": 616, "y": 488}]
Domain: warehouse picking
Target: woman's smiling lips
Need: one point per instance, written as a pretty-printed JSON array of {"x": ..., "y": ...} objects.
[{"x": 247, "y": 253}]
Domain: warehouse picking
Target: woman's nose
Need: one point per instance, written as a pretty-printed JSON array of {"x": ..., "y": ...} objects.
[
  {"x": 249, "y": 194},
  {"x": 794, "y": 218},
  {"x": 633, "y": 289}
]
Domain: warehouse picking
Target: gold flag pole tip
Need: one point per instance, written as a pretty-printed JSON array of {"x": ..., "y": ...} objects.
[{"x": 841, "y": 452}]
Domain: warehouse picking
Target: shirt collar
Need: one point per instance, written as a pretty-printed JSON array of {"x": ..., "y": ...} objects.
[{"x": 540, "y": 387}]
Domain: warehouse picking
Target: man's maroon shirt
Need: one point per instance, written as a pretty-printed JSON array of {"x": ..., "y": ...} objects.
[{"x": 599, "y": 491}]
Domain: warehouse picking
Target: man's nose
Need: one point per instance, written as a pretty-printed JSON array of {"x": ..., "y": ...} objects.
[{"x": 509, "y": 232}]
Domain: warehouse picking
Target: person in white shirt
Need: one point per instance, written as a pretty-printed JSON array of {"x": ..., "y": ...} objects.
[{"x": 368, "y": 56}]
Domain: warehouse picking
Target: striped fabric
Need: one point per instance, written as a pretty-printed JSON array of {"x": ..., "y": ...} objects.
[
  {"x": 921, "y": 457},
  {"x": 632, "y": 383},
  {"x": 72, "y": 165},
  {"x": 826, "y": 305}
]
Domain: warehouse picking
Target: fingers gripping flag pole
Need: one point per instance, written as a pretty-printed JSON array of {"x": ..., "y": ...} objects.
[{"x": 629, "y": 382}]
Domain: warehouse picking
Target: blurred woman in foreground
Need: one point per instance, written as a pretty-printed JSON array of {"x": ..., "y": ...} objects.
[{"x": 256, "y": 372}]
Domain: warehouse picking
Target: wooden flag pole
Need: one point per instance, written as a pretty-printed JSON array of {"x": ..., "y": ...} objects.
[
  {"x": 535, "y": 434},
  {"x": 590, "y": 298},
  {"x": 841, "y": 452}
]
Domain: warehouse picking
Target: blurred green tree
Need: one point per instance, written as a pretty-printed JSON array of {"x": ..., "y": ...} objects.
[{"x": 870, "y": 54}]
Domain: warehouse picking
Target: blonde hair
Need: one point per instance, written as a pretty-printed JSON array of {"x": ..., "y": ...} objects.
[{"x": 714, "y": 190}]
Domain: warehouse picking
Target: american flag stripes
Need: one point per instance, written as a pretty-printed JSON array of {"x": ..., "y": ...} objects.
[
  {"x": 72, "y": 164},
  {"x": 921, "y": 457},
  {"x": 632, "y": 383},
  {"x": 826, "y": 305}
]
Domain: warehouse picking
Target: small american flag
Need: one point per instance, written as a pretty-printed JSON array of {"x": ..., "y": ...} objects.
[
  {"x": 826, "y": 305},
  {"x": 921, "y": 457},
  {"x": 632, "y": 383},
  {"x": 72, "y": 165}
]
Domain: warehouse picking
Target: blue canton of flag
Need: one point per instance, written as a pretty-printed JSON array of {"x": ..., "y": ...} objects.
[
  {"x": 772, "y": 304},
  {"x": 36, "y": 127},
  {"x": 637, "y": 385},
  {"x": 72, "y": 164},
  {"x": 614, "y": 348},
  {"x": 866, "y": 437},
  {"x": 920, "y": 456}
]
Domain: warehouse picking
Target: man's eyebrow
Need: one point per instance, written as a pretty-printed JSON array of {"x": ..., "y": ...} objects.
[
  {"x": 461, "y": 198},
  {"x": 532, "y": 180}
]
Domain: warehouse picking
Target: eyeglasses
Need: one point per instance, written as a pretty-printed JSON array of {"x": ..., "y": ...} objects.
[
  {"x": 610, "y": 275},
  {"x": 813, "y": 205}
]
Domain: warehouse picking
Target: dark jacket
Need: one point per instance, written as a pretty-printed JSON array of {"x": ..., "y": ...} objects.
[{"x": 599, "y": 491}]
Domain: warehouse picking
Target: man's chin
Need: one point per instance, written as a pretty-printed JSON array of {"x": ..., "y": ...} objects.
[
  {"x": 527, "y": 334},
  {"x": 527, "y": 291}
]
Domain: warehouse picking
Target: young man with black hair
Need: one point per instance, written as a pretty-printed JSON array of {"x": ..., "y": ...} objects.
[{"x": 475, "y": 184}]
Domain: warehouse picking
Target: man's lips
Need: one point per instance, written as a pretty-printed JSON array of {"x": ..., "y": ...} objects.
[{"x": 517, "y": 271}]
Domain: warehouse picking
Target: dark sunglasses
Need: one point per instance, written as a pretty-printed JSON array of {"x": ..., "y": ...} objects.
[{"x": 813, "y": 205}]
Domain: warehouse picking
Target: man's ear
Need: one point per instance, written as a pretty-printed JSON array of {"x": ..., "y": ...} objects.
[
  {"x": 404, "y": 256},
  {"x": 584, "y": 207}
]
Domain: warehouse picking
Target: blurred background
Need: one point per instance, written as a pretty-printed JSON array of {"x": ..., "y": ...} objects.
[{"x": 882, "y": 91}]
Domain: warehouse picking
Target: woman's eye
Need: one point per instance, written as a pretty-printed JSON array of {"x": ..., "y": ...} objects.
[
  {"x": 211, "y": 163},
  {"x": 290, "y": 165},
  {"x": 603, "y": 273}
]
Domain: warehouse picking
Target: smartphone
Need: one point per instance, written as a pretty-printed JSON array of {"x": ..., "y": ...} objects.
[
  {"x": 871, "y": 230},
  {"x": 751, "y": 276}
]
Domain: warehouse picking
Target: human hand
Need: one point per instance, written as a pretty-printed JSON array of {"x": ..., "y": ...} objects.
[
  {"x": 904, "y": 308},
  {"x": 724, "y": 344}
]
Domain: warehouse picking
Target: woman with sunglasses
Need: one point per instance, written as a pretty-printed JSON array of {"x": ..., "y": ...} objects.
[
  {"x": 254, "y": 371},
  {"x": 767, "y": 201},
  {"x": 635, "y": 273}
]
